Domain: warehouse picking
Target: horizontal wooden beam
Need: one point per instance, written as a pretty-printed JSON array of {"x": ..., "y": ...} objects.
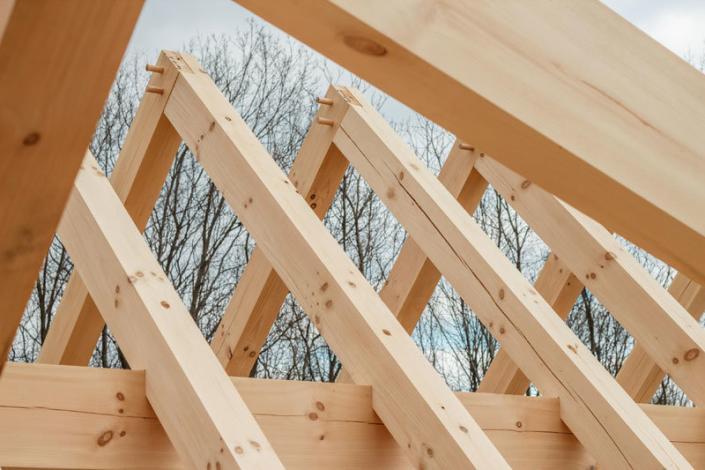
[
  {"x": 411, "y": 398},
  {"x": 201, "y": 411},
  {"x": 101, "y": 419},
  {"x": 512, "y": 78},
  {"x": 138, "y": 177},
  {"x": 57, "y": 61},
  {"x": 596, "y": 409}
]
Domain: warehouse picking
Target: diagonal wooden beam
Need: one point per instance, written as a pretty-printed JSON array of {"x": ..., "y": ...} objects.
[
  {"x": 511, "y": 77},
  {"x": 139, "y": 174},
  {"x": 57, "y": 61},
  {"x": 560, "y": 288},
  {"x": 669, "y": 334},
  {"x": 598, "y": 411},
  {"x": 413, "y": 277},
  {"x": 260, "y": 292},
  {"x": 412, "y": 280},
  {"x": 316, "y": 174},
  {"x": 73, "y": 408},
  {"x": 417, "y": 407},
  {"x": 204, "y": 416},
  {"x": 640, "y": 375}
]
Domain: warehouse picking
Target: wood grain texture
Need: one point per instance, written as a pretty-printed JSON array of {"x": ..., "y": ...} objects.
[
  {"x": 138, "y": 176},
  {"x": 560, "y": 288},
  {"x": 413, "y": 277},
  {"x": 316, "y": 174},
  {"x": 49, "y": 52},
  {"x": 640, "y": 375},
  {"x": 670, "y": 335},
  {"x": 598, "y": 411},
  {"x": 199, "y": 408},
  {"x": 512, "y": 79},
  {"x": 411, "y": 398},
  {"x": 318, "y": 426}
]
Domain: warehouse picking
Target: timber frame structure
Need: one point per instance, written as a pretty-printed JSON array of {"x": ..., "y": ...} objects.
[{"x": 534, "y": 118}]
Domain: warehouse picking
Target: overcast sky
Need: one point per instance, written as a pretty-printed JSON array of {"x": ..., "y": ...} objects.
[{"x": 167, "y": 24}]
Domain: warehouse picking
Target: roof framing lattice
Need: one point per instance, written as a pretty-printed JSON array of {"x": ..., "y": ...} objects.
[{"x": 549, "y": 101}]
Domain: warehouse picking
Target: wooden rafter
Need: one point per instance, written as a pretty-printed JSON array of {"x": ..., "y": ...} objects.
[
  {"x": 413, "y": 277},
  {"x": 640, "y": 375},
  {"x": 199, "y": 408},
  {"x": 511, "y": 77},
  {"x": 412, "y": 400},
  {"x": 77, "y": 413},
  {"x": 411, "y": 282},
  {"x": 560, "y": 288},
  {"x": 260, "y": 292},
  {"x": 670, "y": 336},
  {"x": 138, "y": 177},
  {"x": 57, "y": 61},
  {"x": 598, "y": 411}
]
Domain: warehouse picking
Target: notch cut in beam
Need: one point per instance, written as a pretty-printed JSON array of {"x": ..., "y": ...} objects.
[
  {"x": 512, "y": 80},
  {"x": 413, "y": 401},
  {"x": 320, "y": 426},
  {"x": 199, "y": 408},
  {"x": 596, "y": 409},
  {"x": 48, "y": 54}
]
